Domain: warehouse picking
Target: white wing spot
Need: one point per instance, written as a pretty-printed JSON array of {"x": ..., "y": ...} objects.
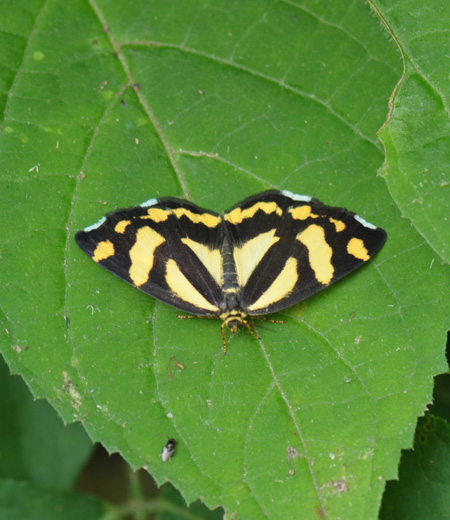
[
  {"x": 149, "y": 202},
  {"x": 96, "y": 225},
  {"x": 364, "y": 222},
  {"x": 302, "y": 198}
]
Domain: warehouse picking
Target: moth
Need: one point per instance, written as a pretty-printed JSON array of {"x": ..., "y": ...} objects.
[{"x": 266, "y": 253}]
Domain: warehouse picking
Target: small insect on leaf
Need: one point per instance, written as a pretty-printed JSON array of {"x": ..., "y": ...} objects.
[
  {"x": 265, "y": 254},
  {"x": 168, "y": 450},
  {"x": 179, "y": 365}
]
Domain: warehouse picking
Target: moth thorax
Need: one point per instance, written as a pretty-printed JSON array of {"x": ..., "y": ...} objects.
[
  {"x": 232, "y": 301},
  {"x": 234, "y": 321}
]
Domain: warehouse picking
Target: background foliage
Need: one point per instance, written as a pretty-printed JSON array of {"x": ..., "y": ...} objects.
[{"x": 109, "y": 103}]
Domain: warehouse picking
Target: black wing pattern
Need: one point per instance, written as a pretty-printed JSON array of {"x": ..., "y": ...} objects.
[{"x": 167, "y": 248}]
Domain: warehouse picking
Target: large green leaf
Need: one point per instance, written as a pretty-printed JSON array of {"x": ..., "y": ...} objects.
[
  {"x": 23, "y": 501},
  {"x": 417, "y": 135},
  {"x": 108, "y": 104},
  {"x": 34, "y": 443},
  {"x": 422, "y": 491}
]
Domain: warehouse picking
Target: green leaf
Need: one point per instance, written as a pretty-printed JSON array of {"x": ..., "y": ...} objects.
[
  {"x": 23, "y": 501},
  {"x": 422, "y": 491},
  {"x": 177, "y": 507},
  {"x": 34, "y": 443},
  {"x": 108, "y": 104},
  {"x": 417, "y": 135}
]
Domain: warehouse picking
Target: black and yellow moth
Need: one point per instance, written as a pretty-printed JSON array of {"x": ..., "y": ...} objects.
[{"x": 265, "y": 254}]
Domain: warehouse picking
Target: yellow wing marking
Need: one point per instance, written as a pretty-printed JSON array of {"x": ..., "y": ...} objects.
[
  {"x": 302, "y": 213},
  {"x": 103, "y": 250},
  {"x": 210, "y": 258},
  {"x": 121, "y": 226},
  {"x": 338, "y": 224},
  {"x": 207, "y": 219},
  {"x": 250, "y": 254},
  {"x": 183, "y": 288},
  {"x": 281, "y": 287},
  {"x": 142, "y": 254},
  {"x": 238, "y": 214},
  {"x": 156, "y": 214},
  {"x": 319, "y": 252},
  {"x": 356, "y": 248}
]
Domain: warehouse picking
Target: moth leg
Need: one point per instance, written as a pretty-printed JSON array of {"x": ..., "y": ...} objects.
[
  {"x": 222, "y": 328},
  {"x": 265, "y": 318},
  {"x": 249, "y": 327},
  {"x": 190, "y": 316},
  {"x": 224, "y": 339}
]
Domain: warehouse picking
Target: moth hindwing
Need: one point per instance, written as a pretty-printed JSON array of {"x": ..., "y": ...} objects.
[{"x": 268, "y": 252}]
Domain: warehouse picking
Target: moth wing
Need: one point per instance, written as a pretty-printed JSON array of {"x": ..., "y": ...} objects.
[
  {"x": 168, "y": 248},
  {"x": 289, "y": 247}
]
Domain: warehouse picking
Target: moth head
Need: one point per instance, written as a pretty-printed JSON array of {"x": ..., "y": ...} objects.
[{"x": 234, "y": 321}]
